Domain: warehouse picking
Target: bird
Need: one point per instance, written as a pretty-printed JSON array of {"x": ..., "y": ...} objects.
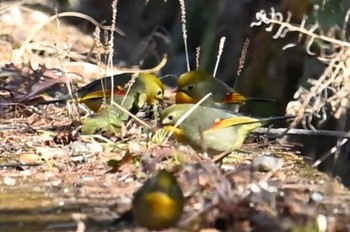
[
  {"x": 159, "y": 203},
  {"x": 210, "y": 129},
  {"x": 146, "y": 88},
  {"x": 195, "y": 84}
]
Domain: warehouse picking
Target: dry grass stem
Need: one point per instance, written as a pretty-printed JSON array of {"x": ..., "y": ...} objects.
[
  {"x": 276, "y": 18},
  {"x": 133, "y": 116},
  {"x": 198, "y": 53},
  {"x": 111, "y": 46},
  {"x": 332, "y": 89},
  {"x": 221, "y": 48},
  {"x": 184, "y": 31},
  {"x": 243, "y": 57},
  {"x": 54, "y": 17}
]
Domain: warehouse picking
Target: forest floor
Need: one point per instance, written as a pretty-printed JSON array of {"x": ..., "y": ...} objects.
[{"x": 53, "y": 178}]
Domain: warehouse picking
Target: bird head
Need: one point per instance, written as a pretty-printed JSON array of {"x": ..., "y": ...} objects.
[
  {"x": 171, "y": 116},
  {"x": 154, "y": 87},
  {"x": 192, "y": 86}
]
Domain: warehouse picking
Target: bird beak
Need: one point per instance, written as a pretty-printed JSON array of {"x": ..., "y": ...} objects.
[
  {"x": 181, "y": 97},
  {"x": 177, "y": 132}
]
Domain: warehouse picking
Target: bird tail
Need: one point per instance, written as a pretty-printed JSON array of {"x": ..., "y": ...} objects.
[
  {"x": 61, "y": 99},
  {"x": 264, "y": 121},
  {"x": 277, "y": 118},
  {"x": 242, "y": 120},
  {"x": 258, "y": 99}
]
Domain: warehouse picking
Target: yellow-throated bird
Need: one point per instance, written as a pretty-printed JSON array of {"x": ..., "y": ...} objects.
[
  {"x": 159, "y": 203},
  {"x": 194, "y": 85},
  {"x": 147, "y": 88},
  {"x": 211, "y": 128}
]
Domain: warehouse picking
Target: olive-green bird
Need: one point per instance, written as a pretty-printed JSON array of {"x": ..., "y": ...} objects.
[
  {"x": 194, "y": 85},
  {"x": 159, "y": 203},
  {"x": 147, "y": 88},
  {"x": 211, "y": 128}
]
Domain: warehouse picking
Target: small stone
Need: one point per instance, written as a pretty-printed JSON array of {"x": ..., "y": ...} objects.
[
  {"x": 134, "y": 148},
  {"x": 81, "y": 148},
  {"x": 266, "y": 163},
  {"x": 316, "y": 196},
  {"x": 26, "y": 173},
  {"x": 29, "y": 158},
  {"x": 49, "y": 152},
  {"x": 209, "y": 230},
  {"x": 322, "y": 223},
  {"x": 9, "y": 181},
  {"x": 280, "y": 175}
]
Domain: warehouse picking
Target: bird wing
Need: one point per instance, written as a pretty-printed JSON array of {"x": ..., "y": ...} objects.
[
  {"x": 235, "y": 98},
  {"x": 119, "y": 91},
  {"x": 234, "y": 121}
]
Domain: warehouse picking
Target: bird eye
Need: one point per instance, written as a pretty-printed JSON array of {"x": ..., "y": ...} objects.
[
  {"x": 160, "y": 92},
  {"x": 190, "y": 87},
  {"x": 171, "y": 117}
]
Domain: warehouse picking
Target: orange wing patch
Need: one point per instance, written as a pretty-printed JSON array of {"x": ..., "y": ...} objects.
[
  {"x": 96, "y": 94},
  {"x": 235, "y": 121},
  {"x": 120, "y": 91},
  {"x": 235, "y": 98},
  {"x": 104, "y": 93}
]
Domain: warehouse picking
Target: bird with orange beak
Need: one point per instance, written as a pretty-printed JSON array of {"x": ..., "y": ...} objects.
[
  {"x": 194, "y": 85},
  {"x": 145, "y": 88}
]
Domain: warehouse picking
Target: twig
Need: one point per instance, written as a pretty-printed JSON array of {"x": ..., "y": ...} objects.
[
  {"x": 276, "y": 18},
  {"x": 292, "y": 131},
  {"x": 151, "y": 70},
  {"x": 14, "y": 165},
  {"x": 330, "y": 152},
  {"x": 221, "y": 156},
  {"x": 64, "y": 14},
  {"x": 131, "y": 115}
]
